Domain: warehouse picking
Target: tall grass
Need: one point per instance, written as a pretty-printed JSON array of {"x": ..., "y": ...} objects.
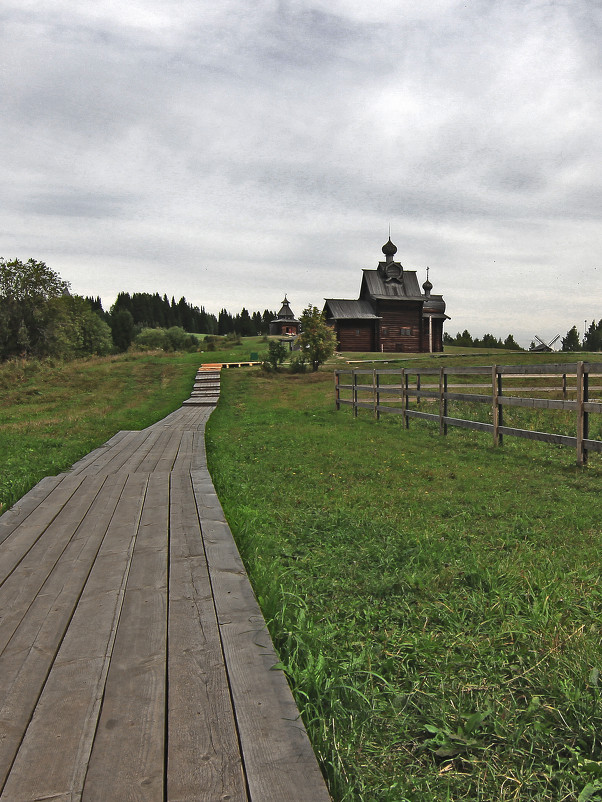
[
  {"x": 52, "y": 413},
  {"x": 436, "y": 602}
]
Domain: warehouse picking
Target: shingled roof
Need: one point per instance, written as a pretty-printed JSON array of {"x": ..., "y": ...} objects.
[
  {"x": 341, "y": 309},
  {"x": 405, "y": 287}
]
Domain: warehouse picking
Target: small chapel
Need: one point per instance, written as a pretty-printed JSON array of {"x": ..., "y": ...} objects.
[
  {"x": 391, "y": 313},
  {"x": 286, "y": 323}
]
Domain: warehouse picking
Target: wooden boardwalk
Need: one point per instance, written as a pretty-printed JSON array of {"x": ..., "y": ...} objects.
[{"x": 134, "y": 660}]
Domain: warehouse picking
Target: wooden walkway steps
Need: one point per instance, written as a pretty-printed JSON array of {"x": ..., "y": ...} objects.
[
  {"x": 205, "y": 391},
  {"x": 134, "y": 660}
]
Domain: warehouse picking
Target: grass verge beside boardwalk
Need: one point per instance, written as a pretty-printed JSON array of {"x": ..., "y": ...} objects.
[
  {"x": 437, "y": 602},
  {"x": 53, "y": 413}
]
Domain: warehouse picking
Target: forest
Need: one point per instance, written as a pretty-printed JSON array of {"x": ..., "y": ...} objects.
[{"x": 39, "y": 317}]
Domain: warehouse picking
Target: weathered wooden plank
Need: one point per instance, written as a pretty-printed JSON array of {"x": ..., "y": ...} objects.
[
  {"x": 146, "y": 458},
  {"x": 58, "y": 516},
  {"x": 165, "y": 459},
  {"x": 423, "y": 394},
  {"x": 106, "y": 459},
  {"x": 471, "y": 397},
  {"x": 538, "y": 370},
  {"x": 199, "y": 457},
  {"x": 127, "y": 759},
  {"x": 557, "y": 439},
  {"x": 279, "y": 761},
  {"x": 471, "y": 424},
  {"x": 120, "y": 456},
  {"x": 27, "y": 504},
  {"x": 364, "y": 404},
  {"x": 34, "y": 622},
  {"x": 95, "y": 458},
  {"x": 413, "y": 413},
  {"x": 185, "y": 452},
  {"x": 422, "y": 371},
  {"x": 394, "y": 410},
  {"x": 537, "y": 403},
  {"x": 52, "y": 760},
  {"x": 204, "y": 761}
]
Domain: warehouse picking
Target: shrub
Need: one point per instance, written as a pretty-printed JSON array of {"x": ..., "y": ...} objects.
[
  {"x": 277, "y": 353},
  {"x": 150, "y": 339},
  {"x": 298, "y": 363},
  {"x": 176, "y": 339}
]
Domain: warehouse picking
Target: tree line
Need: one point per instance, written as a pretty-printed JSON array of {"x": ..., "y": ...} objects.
[
  {"x": 465, "y": 340},
  {"x": 132, "y": 314},
  {"x": 592, "y": 339},
  {"x": 40, "y": 317}
]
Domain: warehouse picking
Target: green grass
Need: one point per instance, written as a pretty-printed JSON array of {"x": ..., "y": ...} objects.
[
  {"x": 437, "y": 602},
  {"x": 52, "y": 413}
]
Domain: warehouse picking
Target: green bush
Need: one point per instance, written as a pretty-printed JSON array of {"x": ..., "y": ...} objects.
[
  {"x": 176, "y": 339},
  {"x": 298, "y": 363},
  {"x": 150, "y": 340},
  {"x": 172, "y": 339},
  {"x": 277, "y": 353}
]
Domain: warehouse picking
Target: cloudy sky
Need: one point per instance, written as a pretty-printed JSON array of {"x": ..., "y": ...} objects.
[{"x": 233, "y": 151}]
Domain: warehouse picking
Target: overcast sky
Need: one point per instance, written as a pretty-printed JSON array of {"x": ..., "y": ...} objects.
[{"x": 233, "y": 151}]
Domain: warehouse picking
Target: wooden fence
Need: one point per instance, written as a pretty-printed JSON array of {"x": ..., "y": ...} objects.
[{"x": 368, "y": 390}]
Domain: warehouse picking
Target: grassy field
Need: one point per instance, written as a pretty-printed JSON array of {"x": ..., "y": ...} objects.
[
  {"x": 51, "y": 414},
  {"x": 436, "y": 602}
]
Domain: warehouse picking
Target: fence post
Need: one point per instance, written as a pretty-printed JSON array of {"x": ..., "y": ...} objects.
[
  {"x": 495, "y": 405},
  {"x": 374, "y": 393},
  {"x": 418, "y": 389},
  {"x": 354, "y": 394},
  {"x": 442, "y": 400},
  {"x": 582, "y": 415},
  {"x": 565, "y": 394},
  {"x": 405, "y": 400},
  {"x": 337, "y": 390}
]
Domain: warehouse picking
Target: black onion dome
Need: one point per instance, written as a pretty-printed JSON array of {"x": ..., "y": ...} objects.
[{"x": 389, "y": 249}]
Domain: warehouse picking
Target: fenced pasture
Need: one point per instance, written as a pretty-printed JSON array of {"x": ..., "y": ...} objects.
[
  {"x": 436, "y": 602},
  {"x": 502, "y": 400}
]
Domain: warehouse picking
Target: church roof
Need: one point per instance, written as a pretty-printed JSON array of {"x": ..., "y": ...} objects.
[
  {"x": 434, "y": 306},
  {"x": 405, "y": 287},
  {"x": 341, "y": 309},
  {"x": 286, "y": 313}
]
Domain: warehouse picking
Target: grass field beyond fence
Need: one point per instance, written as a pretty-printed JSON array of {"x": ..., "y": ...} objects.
[{"x": 437, "y": 602}]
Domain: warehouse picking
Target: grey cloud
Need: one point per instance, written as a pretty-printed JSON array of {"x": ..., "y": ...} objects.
[
  {"x": 280, "y": 128},
  {"x": 75, "y": 203}
]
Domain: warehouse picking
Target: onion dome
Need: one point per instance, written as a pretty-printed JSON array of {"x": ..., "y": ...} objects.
[
  {"x": 427, "y": 287},
  {"x": 389, "y": 249}
]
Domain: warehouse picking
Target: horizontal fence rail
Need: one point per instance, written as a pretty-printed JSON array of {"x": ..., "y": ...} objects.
[{"x": 393, "y": 390}]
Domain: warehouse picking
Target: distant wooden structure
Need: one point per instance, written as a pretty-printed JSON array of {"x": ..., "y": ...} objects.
[
  {"x": 135, "y": 663},
  {"x": 285, "y": 324},
  {"x": 391, "y": 313},
  {"x": 543, "y": 346}
]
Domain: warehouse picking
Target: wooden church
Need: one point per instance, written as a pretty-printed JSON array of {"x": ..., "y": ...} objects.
[
  {"x": 391, "y": 313},
  {"x": 286, "y": 323}
]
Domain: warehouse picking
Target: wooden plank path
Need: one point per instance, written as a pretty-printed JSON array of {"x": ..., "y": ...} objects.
[{"x": 134, "y": 660}]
